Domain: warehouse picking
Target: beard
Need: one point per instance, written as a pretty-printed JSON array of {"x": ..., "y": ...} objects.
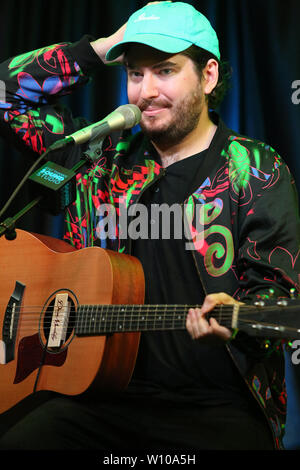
[{"x": 185, "y": 117}]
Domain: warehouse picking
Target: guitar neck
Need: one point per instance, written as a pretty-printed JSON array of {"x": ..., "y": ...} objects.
[
  {"x": 107, "y": 319},
  {"x": 278, "y": 320}
]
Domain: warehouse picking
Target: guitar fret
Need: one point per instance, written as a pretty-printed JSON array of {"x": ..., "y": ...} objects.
[
  {"x": 111, "y": 318},
  {"x": 159, "y": 320},
  {"x": 79, "y": 319},
  {"x": 155, "y": 317},
  {"x": 142, "y": 321},
  {"x": 103, "y": 319},
  {"x": 139, "y": 319},
  {"x": 220, "y": 314},
  {"x": 179, "y": 317},
  {"x": 121, "y": 320},
  {"x": 92, "y": 320},
  {"x": 128, "y": 319},
  {"x": 168, "y": 323},
  {"x": 173, "y": 318},
  {"x": 85, "y": 321},
  {"x": 133, "y": 326},
  {"x": 151, "y": 318},
  {"x": 96, "y": 322},
  {"x": 116, "y": 317}
]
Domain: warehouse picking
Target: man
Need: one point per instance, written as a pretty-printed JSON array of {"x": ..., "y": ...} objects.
[{"x": 208, "y": 387}]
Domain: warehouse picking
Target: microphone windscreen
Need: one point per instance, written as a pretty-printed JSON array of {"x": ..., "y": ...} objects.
[{"x": 131, "y": 113}]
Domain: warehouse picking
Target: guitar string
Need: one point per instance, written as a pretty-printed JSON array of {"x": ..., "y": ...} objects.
[
  {"x": 88, "y": 316},
  {"x": 162, "y": 316},
  {"x": 105, "y": 331},
  {"x": 243, "y": 309},
  {"x": 90, "y": 329},
  {"x": 135, "y": 310}
]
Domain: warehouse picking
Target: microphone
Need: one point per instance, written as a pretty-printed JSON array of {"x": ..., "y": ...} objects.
[
  {"x": 124, "y": 117},
  {"x": 57, "y": 184}
]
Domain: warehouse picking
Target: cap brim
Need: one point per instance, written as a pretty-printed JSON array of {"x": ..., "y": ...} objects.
[{"x": 160, "y": 42}]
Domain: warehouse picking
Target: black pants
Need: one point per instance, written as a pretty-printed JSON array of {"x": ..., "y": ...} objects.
[{"x": 133, "y": 423}]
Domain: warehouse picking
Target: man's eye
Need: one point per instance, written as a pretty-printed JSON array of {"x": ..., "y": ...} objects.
[
  {"x": 165, "y": 71},
  {"x": 134, "y": 74}
]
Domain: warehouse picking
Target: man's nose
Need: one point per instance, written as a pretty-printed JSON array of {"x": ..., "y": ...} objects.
[{"x": 149, "y": 87}]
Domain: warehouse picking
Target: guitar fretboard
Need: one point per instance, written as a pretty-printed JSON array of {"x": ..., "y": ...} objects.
[{"x": 105, "y": 319}]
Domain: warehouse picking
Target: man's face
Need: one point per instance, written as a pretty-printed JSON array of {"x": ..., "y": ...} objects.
[{"x": 168, "y": 91}]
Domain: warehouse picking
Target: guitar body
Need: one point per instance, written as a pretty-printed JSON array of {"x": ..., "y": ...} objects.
[{"x": 45, "y": 267}]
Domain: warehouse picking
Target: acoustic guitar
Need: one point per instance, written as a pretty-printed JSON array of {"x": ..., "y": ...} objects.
[{"x": 70, "y": 320}]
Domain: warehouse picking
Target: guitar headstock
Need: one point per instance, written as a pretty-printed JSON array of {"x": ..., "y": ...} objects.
[{"x": 272, "y": 317}]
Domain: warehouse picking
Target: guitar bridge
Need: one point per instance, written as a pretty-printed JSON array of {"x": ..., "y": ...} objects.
[{"x": 10, "y": 324}]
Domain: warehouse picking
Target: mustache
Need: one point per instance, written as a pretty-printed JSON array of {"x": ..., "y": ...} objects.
[{"x": 144, "y": 104}]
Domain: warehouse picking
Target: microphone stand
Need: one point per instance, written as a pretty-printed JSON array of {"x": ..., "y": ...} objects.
[{"x": 8, "y": 226}]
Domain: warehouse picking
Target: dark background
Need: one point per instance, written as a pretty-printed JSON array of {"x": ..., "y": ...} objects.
[{"x": 260, "y": 38}]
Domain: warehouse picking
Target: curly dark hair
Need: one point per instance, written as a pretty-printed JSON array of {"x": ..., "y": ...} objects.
[{"x": 200, "y": 57}]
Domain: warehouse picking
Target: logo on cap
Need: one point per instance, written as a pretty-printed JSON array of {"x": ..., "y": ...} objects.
[{"x": 143, "y": 17}]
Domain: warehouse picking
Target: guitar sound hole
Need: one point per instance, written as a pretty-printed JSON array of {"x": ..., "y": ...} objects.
[{"x": 53, "y": 328}]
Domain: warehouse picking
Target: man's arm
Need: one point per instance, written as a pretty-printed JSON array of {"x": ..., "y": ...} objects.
[
  {"x": 33, "y": 81},
  {"x": 269, "y": 246},
  {"x": 102, "y": 45}
]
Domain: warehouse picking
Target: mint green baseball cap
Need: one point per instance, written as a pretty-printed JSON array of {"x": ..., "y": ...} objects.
[{"x": 169, "y": 27}]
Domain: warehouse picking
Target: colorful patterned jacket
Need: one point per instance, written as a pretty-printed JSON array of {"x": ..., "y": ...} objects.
[{"x": 247, "y": 195}]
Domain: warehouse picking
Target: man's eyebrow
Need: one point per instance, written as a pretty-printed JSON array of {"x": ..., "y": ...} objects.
[{"x": 164, "y": 63}]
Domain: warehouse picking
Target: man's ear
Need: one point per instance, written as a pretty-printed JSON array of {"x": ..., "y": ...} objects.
[{"x": 210, "y": 75}]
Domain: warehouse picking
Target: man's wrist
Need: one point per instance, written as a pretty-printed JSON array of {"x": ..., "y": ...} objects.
[{"x": 101, "y": 46}]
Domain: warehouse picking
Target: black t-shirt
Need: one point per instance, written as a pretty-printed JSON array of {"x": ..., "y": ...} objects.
[{"x": 170, "y": 363}]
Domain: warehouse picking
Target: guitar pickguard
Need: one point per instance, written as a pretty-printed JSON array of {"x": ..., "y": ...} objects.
[
  {"x": 31, "y": 355},
  {"x": 39, "y": 350}
]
